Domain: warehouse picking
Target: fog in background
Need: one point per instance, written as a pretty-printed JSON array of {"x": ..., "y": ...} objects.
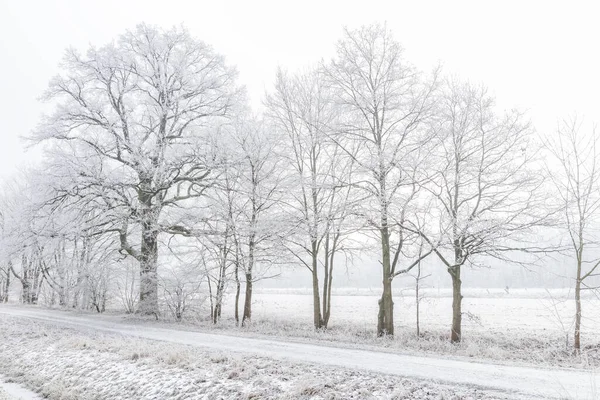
[{"x": 538, "y": 56}]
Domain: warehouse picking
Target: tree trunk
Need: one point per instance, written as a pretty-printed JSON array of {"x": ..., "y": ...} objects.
[
  {"x": 577, "y": 338},
  {"x": 210, "y": 296},
  {"x": 249, "y": 278},
  {"x": 237, "y": 294},
  {"x": 325, "y": 317},
  {"x": 6, "y": 287},
  {"x": 417, "y": 299},
  {"x": 220, "y": 290},
  {"x": 30, "y": 281},
  {"x": 77, "y": 295},
  {"x": 62, "y": 298},
  {"x": 385, "y": 323},
  {"x": 327, "y": 299},
  {"x": 386, "y": 311},
  {"x": 60, "y": 257},
  {"x": 456, "y": 334},
  {"x": 328, "y": 278},
  {"x": 148, "y": 255},
  {"x": 23, "y": 278},
  {"x": 148, "y": 304},
  {"x": 317, "y": 317},
  {"x": 26, "y": 292},
  {"x": 38, "y": 281},
  {"x": 247, "y": 301},
  {"x": 216, "y": 312}
]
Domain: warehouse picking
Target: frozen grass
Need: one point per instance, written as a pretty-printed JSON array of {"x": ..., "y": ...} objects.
[
  {"x": 66, "y": 364},
  {"x": 499, "y": 336},
  {"x": 543, "y": 348},
  {"x": 530, "y": 326},
  {"x": 524, "y": 326}
]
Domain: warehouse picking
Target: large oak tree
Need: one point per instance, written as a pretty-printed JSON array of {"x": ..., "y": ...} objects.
[{"x": 146, "y": 107}]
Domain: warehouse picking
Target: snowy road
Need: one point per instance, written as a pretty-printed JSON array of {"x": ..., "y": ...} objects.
[{"x": 529, "y": 382}]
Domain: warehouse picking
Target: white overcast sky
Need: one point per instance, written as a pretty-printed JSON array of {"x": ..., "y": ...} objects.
[{"x": 541, "y": 56}]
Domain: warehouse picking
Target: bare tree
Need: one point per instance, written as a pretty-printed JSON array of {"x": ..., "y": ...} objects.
[
  {"x": 320, "y": 185},
  {"x": 216, "y": 258},
  {"x": 384, "y": 101},
  {"x": 182, "y": 289},
  {"x": 47, "y": 241},
  {"x": 22, "y": 220},
  {"x": 419, "y": 278},
  {"x": 259, "y": 192},
  {"x": 482, "y": 183},
  {"x": 126, "y": 286},
  {"x": 145, "y": 107},
  {"x": 575, "y": 174}
]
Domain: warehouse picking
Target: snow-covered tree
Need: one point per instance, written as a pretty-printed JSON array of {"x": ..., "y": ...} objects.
[
  {"x": 257, "y": 223},
  {"x": 145, "y": 107},
  {"x": 483, "y": 183},
  {"x": 574, "y": 170},
  {"x": 384, "y": 102},
  {"x": 303, "y": 110}
]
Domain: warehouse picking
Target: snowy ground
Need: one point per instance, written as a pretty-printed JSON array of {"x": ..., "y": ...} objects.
[
  {"x": 524, "y": 326},
  {"x": 62, "y": 363},
  {"x": 484, "y": 309},
  {"x": 12, "y": 391}
]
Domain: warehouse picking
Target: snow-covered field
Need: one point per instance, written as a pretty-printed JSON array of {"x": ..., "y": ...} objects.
[
  {"x": 485, "y": 309},
  {"x": 63, "y": 363},
  {"x": 525, "y": 326}
]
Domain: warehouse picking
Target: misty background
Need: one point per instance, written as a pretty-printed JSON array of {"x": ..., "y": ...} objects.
[{"x": 527, "y": 57}]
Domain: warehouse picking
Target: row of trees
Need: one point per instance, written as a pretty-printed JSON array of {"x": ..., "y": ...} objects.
[{"x": 154, "y": 158}]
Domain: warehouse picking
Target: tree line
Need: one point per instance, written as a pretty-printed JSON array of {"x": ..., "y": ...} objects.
[{"x": 160, "y": 183}]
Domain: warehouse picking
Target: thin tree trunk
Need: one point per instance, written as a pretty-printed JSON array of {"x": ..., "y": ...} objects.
[
  {"x": 249, "y": 279},
  {"x": 210, "y": 296},
  {"x": 327, "y": 314},
  {"x": 325, "y": 317},
  {"x": 328, "y": 279},
  {"x": 78, "y": 289},
  {"x": 577, "y": 336},
  {"x": 78, "y": 283},
  {"x": 417, "y": 299},
  {"x": 62, "y": 275},
  {"x": 317, "y": 317},
  {"x": 220, "y": 287},
  {"x": 237, "y": 293},
  {"x": 329, "y": 284}
]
